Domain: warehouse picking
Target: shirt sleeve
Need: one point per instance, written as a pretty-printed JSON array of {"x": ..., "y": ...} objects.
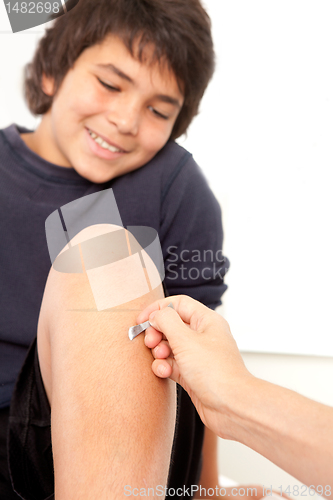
[{"x": 192, "y": 236}]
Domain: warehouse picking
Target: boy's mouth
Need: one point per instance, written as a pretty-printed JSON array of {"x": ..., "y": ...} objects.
[{"x": 103, "y": 143}]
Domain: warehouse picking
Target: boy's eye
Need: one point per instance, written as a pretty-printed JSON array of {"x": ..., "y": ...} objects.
[
  {"x": 157, "y": 113},
  {"x": 115, "y": 89},
  {"x": 107, "y": 86}
]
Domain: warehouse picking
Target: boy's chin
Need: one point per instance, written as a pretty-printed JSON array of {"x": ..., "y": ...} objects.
[
  {"x": 98, "y": 175},
  {"x": 100, "y": 172}
]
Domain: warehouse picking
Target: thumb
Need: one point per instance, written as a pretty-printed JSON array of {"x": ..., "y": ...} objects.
[{"x": 168, "y": 321}]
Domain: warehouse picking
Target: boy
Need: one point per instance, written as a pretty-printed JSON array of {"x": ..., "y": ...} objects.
[{"x": 115, "y": 82}]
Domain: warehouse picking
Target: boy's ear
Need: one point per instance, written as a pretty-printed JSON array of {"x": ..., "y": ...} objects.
[{"x": 48, "y": 85}]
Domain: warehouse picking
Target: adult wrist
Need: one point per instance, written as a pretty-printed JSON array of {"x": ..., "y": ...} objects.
[{"x": 236, "y": 397}]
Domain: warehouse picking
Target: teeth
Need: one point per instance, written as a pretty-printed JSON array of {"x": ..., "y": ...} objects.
[
  {"x": 103, "y": 143},
  {"x": 113, "y": 149}
]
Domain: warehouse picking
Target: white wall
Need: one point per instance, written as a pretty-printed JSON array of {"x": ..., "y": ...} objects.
[
  {"x": 264, "y": 139},
  {"x": 15, "y": 51}
]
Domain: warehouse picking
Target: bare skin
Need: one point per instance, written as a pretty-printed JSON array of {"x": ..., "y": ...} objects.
[{"x": 106, "y": 404}]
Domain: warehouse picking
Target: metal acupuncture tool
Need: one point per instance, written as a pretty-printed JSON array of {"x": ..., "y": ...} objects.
[{"x": 134, "y": 331}]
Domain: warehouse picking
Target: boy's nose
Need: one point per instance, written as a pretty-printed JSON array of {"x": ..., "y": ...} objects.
[{"x": 126, "y": 118}]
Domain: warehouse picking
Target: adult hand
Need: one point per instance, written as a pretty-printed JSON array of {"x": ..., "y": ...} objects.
[{"x": 193, "y": 346}]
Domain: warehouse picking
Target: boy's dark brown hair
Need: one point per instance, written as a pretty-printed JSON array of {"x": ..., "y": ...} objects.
[{"x": 180, "y": 31}]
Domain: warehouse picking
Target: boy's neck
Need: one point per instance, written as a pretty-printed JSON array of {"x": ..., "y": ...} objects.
[{"x": 39, "y": 142}]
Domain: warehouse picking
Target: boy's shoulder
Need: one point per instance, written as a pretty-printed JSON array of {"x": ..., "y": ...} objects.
[
  {"x": 175, "y": 166},
  {"x": 170, "y": 163},
  {"x": 173, "y": 151},
  {"x": 172, "y": 181},
  {"x": 171, "y": 176},
  {"x": 171, "y": 157}
]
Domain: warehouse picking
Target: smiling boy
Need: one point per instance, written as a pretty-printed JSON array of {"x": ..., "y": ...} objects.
[
  {"x": 115, "y": 82},
  {"x": 108, "y": 118}
]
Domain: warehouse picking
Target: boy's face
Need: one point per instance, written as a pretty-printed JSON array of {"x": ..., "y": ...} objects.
[{"x": 111, "y": 114}]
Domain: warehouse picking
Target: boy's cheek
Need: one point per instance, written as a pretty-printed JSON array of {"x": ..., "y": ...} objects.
[
  {"x": 80, "y": 96},
  {"x": 157, "y": 138}
]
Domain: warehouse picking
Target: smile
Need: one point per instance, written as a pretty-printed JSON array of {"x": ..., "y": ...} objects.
[{"x": 104, "y": 144}]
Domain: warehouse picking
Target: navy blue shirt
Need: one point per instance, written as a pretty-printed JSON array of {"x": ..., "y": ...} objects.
[{"x": 169, "y": 193}]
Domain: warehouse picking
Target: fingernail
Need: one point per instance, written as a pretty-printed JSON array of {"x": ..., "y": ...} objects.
[
  {"x": 156, "y": 349},
  {"x": 152, "y": 316}
]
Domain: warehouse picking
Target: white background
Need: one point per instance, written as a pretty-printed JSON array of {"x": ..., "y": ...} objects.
[{"x": 264, "y": 140}]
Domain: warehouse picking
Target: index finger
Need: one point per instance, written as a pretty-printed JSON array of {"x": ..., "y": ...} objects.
[{"x": 190, "y": 310}]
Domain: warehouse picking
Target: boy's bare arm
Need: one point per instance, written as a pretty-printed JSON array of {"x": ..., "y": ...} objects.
[{"x": 106, "y": 404}]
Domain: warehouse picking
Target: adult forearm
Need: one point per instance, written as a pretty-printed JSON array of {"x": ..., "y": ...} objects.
[{"x": 290, "y": 430}]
